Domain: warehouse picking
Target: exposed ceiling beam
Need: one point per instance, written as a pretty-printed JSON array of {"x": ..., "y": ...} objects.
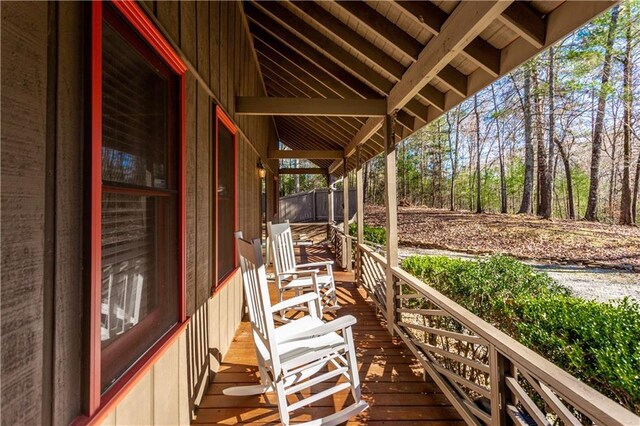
[
  {"x": 294, "y": 31},
  {"x": 463, "y": 25},
  {"x": 396, "y": 36},
  {"x": 526, "y": 22},
  {"x": 304, "y": 154},
  {"x": 433, "y": 19},
  {"x": 249, "y": 105},
  {"x": 295, "y": 77},
  {"x": 303, "y": 171}
]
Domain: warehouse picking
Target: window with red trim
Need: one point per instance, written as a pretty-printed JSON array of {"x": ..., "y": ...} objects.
[
  {"x": 225, "y": 196},
  {"x": 137, "y": 194}
]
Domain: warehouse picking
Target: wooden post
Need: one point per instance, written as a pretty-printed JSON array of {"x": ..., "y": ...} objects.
[
  {"x": 359, "y": 196},
  {"x": 346, "y": 249},
  {"x": 390, "y": 199},
  {"x": 498, "y": 389},
  {"x": 329, "y": 207},
  {"x": 359, "y": 213}
]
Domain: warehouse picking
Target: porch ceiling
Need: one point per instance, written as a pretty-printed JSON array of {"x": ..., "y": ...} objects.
[{"x": 423, "y": 57}]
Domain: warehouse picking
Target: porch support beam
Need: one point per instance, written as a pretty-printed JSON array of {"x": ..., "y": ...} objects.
[
  {"x": 458, "y": 31},
  {"x": 461, "y": 28},
  {"x": 248, "y": 105},
  {"x": 329, "y": 205},
  {"x": 346, "y": 250},
  {"x": 303, "y": 171},
  {"x": 525, "y": 22},
  {"x": 359, "y": 196},
  {"x": 391, "y": 204},
  {"x": 303, "y": 154}
]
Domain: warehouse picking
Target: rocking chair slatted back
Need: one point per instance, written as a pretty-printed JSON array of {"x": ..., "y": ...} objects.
[
  {"x": 254, "y": 278},
  {"x": 284, "y": 259}
]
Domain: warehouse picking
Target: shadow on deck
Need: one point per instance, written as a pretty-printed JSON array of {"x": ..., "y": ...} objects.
[{"x": 392, "y": 379}]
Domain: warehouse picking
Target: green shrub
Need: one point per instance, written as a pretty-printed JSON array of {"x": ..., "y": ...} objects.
[
  {"x": 597, "y": 342},
  {"x": 372, "y": 234}
]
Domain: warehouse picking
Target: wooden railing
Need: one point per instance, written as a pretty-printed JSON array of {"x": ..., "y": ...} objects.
[{"x": 488, "y": 377}]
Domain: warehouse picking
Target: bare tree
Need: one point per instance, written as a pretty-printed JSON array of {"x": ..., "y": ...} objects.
[
  {"x": 596, "y": 146},
  {"x": 503, "y": 182},
  {"x": 546, "y": 204},
  {"x": 529, "y": 160},
  {"x": 478, "y": 175},
  {"x": 626, "y": 217}
]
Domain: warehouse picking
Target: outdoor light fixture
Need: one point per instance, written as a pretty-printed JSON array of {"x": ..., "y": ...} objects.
[{"x": 262, "y": 172}]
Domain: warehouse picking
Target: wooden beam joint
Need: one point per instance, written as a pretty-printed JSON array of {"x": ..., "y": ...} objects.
[
  {"x": 247, "y": 105},
  {"x": 274, "y": 154}
]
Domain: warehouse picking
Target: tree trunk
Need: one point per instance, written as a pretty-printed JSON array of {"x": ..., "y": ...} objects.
[
  {"x": 503, "y": 181},
  {"x": 636, "y": 186},
  {"x": 478, "y": 177},
  {"x": 596, "y": 147},
  {"x": 625, "y": 199},
  {"x": 525, "y": 205},
  {"x": 543, "y": 197},
  {"x": 453, "y": 156},
  {"x": 548, "y": 193},
  {"x": 564, "y": 155}
]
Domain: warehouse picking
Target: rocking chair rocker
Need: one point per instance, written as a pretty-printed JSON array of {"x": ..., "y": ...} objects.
[{"x": 293, "y": 357}]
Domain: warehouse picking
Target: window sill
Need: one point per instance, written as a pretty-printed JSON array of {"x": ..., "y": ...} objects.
[{"x": 122, "y": 387}]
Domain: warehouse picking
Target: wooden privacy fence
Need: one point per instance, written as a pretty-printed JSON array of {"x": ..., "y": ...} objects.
[
  {"x": 489, "y": 377},
  {"x": 311, "y": 206}
]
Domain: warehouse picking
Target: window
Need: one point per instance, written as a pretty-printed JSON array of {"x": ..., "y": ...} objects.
[
  {"x": 137, "y": 196},
  {"x": 226, "y": 196}
]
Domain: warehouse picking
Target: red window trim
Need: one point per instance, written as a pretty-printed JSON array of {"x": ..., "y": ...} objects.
[
  {"x": 222, "y": 118},
  {"x": 98, "y": 404}
]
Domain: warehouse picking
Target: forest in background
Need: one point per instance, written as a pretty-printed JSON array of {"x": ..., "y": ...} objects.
[{"x": 558, "y": 137}]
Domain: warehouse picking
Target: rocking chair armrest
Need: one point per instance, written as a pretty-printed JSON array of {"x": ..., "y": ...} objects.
[
  {"x": 294, "y": 301},
  {"x": 324, "y": 263},
  {"x": 306, "y": 272},
  {"x": 340, "y": 323}
]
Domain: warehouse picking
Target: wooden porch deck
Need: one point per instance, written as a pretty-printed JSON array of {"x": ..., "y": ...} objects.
[{"x": 392, "y": 378}]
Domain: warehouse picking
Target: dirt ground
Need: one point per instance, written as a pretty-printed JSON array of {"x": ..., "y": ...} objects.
[{"x": 524, "y": 237}]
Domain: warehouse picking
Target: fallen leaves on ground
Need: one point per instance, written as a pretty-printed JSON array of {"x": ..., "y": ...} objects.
[{"x": 521, "y": 236}]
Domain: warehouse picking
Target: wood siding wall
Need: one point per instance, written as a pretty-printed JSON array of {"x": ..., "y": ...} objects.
[{"x": 43, "y": 135}]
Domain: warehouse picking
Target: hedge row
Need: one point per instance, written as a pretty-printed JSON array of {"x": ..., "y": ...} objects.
[
  {"x": 372, "y": 234},
  {"x": 599, "y": 343}
]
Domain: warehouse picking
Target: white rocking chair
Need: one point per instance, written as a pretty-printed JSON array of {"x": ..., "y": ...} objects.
[
  {"x": 289, "y": 275},
  {"x": 292, "y": 357}
]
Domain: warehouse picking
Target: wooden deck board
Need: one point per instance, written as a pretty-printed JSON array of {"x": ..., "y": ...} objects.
[{"x": 392, "y": 379}]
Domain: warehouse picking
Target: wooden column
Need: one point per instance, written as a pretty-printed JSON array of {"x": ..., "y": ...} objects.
[
  {"x": 329, "y": 207},
  {"x": 346, "y": 252},
  {"x": 359, "y": 196},
  {"x": 391, "y": 204}
]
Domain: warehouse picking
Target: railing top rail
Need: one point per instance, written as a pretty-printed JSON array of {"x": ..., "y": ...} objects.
[
  {"x": 371, "y": 252},
  {"x": 577, "y": 393}
]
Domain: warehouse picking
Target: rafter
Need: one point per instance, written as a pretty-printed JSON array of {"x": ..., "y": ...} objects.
[
  {"x": 396, "y": 36},
  {"x": 433, "y": 18},
  {"x": 251, "y": 105},
  {"x": 304, "y": 154},
  {"x": 525, "y": 22},
  {"x": 303, "y": 171},
  {"x": 294, "y": 31}
]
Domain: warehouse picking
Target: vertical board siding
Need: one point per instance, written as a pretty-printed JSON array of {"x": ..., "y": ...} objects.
[
  {"x": 67, "y": 372},
  {"x": 204, "y": 257},
  {"x": 190, "y": 133},
  {"x": 23, "y": 147},
  {"x": 213, "y": 38}
]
